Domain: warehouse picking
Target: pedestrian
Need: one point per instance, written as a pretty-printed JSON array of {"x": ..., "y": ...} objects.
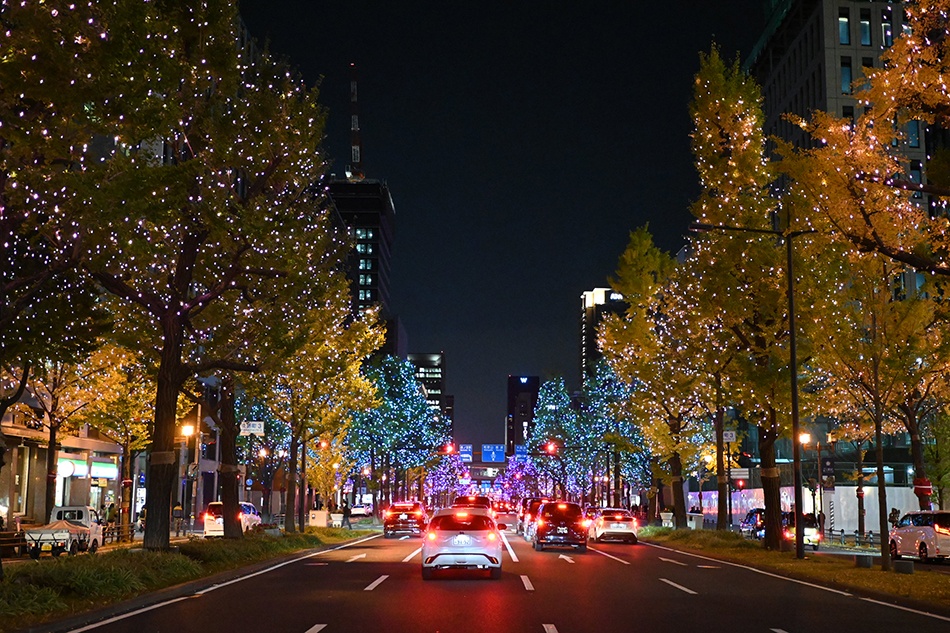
[{"x": 347, "y": 511}]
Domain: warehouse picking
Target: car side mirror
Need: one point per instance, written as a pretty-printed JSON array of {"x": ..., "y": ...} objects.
[{"x": 502, "y": 526}]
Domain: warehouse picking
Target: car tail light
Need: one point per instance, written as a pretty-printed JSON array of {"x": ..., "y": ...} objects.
[
  {"x": 239, "y": 516},
  {"x": 418, "y": 513},
  {"x": 540, "y": 522},
  {"x": 491, "y": 536},
  {"x": 430, "y": 536},
  {"x": 207, "y": 515},
  {"x": 618, "y": 517},
  {"x": 462, "y": 515},
  {"x": 585, "y": 523}
]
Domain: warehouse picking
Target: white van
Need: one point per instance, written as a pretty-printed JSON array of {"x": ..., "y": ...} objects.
[
  {"x": 214, "y": 518},
  {"x": 925, "y": 534}
]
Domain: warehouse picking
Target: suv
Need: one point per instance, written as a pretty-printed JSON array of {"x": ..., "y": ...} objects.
[
  {"x": 214, "y": 518},
  {"x": 530, "y": 515},
  {"x": 925, "y": 534},
  {"x": 404, "y": 517},
  {"x": 561, "y": 523}
]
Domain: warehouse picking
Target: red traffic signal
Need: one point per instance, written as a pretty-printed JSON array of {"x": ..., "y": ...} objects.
[
  {"x": 550, "y": 448},
  {"x": 450, "y": 448}
]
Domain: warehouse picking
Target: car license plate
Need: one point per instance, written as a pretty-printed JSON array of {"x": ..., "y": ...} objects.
[
  {"x": 562, "y": 530},
  {"x": 46, "y": 547},
  {"x": 617, "y": 525},
  {"x": 462, "y": 539},
  {"x": 403, "y": 517}
]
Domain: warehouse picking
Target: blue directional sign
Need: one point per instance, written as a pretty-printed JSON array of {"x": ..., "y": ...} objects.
[
  {"x": 493, "y": 452},
  {"x": 465, "y": 452},
  {"x": 521, "y": 450}
]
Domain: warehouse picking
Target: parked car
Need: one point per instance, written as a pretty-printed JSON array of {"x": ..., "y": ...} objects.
[
  {"x": 924, "y": 533},
  {"x": 407, "y": 517},
  {"x": 361, "y": 510},
  {"x": 71, "y": 529},
  {"x": 462, "y": 538},
  {"x": 753, "y": 525},
  {"x": 214, "y": 518},
  {"x": 562, "y": 524},
  {"x": 811, "y": 535},
  {"x": 613, "y": 524}
]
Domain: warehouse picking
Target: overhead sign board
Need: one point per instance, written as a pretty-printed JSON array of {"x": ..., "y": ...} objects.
[
  {"x": 252, "y": 427},
  {"x": 521, "y": 450},
  {"x": 493, "y": 452},
  {"x": 465, "y": 452}
]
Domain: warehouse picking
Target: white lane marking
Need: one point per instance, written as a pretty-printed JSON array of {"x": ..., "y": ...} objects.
[
  {"x": 680, "y": 587},
  {"x": 117, "y": 618},
  {"x": 511, "y": 552},
  {"x": 708, "y": 567},
  {"x": 549, "y": 628},
  {"x": 567, "y": 558},
  {"x": 411, "y": 556},
  {"x": 897, "y": 606},
  {"x": 675, "y": 562},
  {"x": 778, "y": 630},
  {"x": 357, "y": 557},
  {"x": 625, "y": 562},
  {"x": 404, "y": 538},
  {"x": 376, "y": 583},
  {"x": 96, "y": 625},
  {"x": 317, "y": 564},
  {"x": 316, "y": 628},
  {"x": 527, "y": 583},
  {"x": 752, "y": 569}
]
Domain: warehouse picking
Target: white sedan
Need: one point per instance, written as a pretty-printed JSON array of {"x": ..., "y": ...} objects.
[
  {"x": 614, "y": 523},
  {"x": 462, "y": 538}
]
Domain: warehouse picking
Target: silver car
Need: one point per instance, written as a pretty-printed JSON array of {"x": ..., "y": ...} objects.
[{"x": 462, "y": 538}]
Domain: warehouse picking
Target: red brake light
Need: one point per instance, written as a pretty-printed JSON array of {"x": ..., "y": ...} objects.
[
  {"x": 585, "y": 523},
  {"x": 618, "y": 516},
  {"x": 418, "y": 513},
  {"x": 562, "y": 506},
  {"x": 540, "y": 522},
  {"x": 430, "y": 535},
  {"x": 461, "y": 515}
]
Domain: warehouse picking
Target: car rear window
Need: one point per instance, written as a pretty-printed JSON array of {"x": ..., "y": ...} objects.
[
  {"x": 458, "y": 522},
  {"x": 620, "y": 514},
  {"x": 565, "y": 510},
  {"x": 215, "y": 509}
]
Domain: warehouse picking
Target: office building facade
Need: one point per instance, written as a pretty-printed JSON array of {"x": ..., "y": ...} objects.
[
  {"x": 595, "y": 305},
  {"x": 519, "y": 422}
]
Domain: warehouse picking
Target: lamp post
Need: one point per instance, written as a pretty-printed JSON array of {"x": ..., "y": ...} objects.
[
  {"x": 792, "y": 361},
  {"x": 192, "y": 472}
]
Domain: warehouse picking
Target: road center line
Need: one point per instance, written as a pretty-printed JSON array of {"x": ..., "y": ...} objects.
[
  {"x": 675, "y": 562},
  {"x": 625, "y": 562},
  {"x": 376, "y": 583},
  {"x": 316, "y": 628},
  {"x": 680, "y": 587},
  {"x": 527, "y": 583},
  {"x": 549, "y": 628},
  {"x": 778, "y": 631},
  {"x": 511, "y": 552},
  {"x": 411, "y": 556}
]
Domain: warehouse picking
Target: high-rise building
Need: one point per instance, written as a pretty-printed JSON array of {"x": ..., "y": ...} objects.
[
  {"x": 430, "y": 373},
  {"x": 595, "y": 305},
  {"x": 522, "y": 398},
  {"x": 811, "y": 56}
]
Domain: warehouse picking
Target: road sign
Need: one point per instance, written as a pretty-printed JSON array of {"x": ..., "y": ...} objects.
[
  {"x": 252, "y": 427},
  {"x": 729, "y": 436},
  {"x": 465, "y": 452},
  {"x": 521, "y": 450},
  {"x": 493, "y": 452},
  {"x": 740, "y": 473}
]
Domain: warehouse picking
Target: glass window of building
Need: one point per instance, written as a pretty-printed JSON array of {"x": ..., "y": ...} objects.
[
  {"x": 366, "y": 264},
  {"x": 366, "y": 280},
  {"x": 865, "y": 27},
  {"x": 916, "y": 175},
  {"x": 887, "y": 32},
  {"x": 846, "y": 77},
  {"x": 844, "y": 27},
  {"x": 913, "y": 133},
  {"x": 847, "y": 112}
]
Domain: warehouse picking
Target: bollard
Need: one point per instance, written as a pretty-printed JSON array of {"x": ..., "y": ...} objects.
[
  {"x": 857, "y": 538},
  {"x": 870, "y": 541},
  {"x": 842, "y": 536}
]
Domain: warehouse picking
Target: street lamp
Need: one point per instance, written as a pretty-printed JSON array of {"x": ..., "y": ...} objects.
[
  {"x": 788, "y": 235},
  {"x": 188, "y": 430}
]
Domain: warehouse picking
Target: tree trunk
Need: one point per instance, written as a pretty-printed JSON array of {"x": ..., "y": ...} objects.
[
  {"x": 162, "y": 470},
  {"x": 860, "y": 489},
  {"x": 676, "y": 484},
  {"x": 771, "y": 485},
  {"x": 290, "y": 513},
  {"x": 917, "y": 456},
  {"x": 722, "y": 480},
  {"x": 228, "y": 468},
  {"x": 881, "y": 490},
  {"x": 125, "y": 516},
  {"x": 304, "y": 488},
  {"x": 51, "y": 469}
]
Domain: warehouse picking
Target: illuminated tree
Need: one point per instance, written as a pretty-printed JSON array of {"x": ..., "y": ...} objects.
[
  {"x": 329, "y": 464},
  {"x": 558, "y": 440},
  {"x": 650, "y": 349},
  {"x": 182, "y": 168},
  {"x": 263, "y": 455},
  {"x": 123, "y": 394}
]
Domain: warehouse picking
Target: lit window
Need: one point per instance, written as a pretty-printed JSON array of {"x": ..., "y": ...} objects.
[
  {"x": 844, "y": 27},
  {"x": 887, "y": 33},
  {"x": 913, "y": 133},
  {"x": 865, "y": 27},
  {"x": 366, "y": 264},
  {"x": 846, "y": 75}
]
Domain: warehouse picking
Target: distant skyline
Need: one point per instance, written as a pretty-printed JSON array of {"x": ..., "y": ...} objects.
[{"x": 522, "y": 142}]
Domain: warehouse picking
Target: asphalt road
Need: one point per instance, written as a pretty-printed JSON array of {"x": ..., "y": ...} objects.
[{"x": 375, "y": 585}]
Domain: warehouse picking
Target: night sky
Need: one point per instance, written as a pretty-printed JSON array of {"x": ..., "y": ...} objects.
[{"x": 522, "y": 142}]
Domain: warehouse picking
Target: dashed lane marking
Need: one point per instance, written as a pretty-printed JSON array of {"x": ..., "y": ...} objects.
[
  {"x": 411, "y": 556},
  {"x": 625, "y": 562},
  {"x": 675, "y": 562},
  {"x": 680, "y": 587},
  {"x": 316, "y": 628},
  {"x": 511, "y": 552},
  {"x": 549, "y": 628},
  {"x": 527, "y": 583},
  {"x": 376, "y": 583}
]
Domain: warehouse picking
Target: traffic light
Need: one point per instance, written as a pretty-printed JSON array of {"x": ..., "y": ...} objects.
[
  {"x": 449, "y": 448},
  {"x": 550, "y": 448}
]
